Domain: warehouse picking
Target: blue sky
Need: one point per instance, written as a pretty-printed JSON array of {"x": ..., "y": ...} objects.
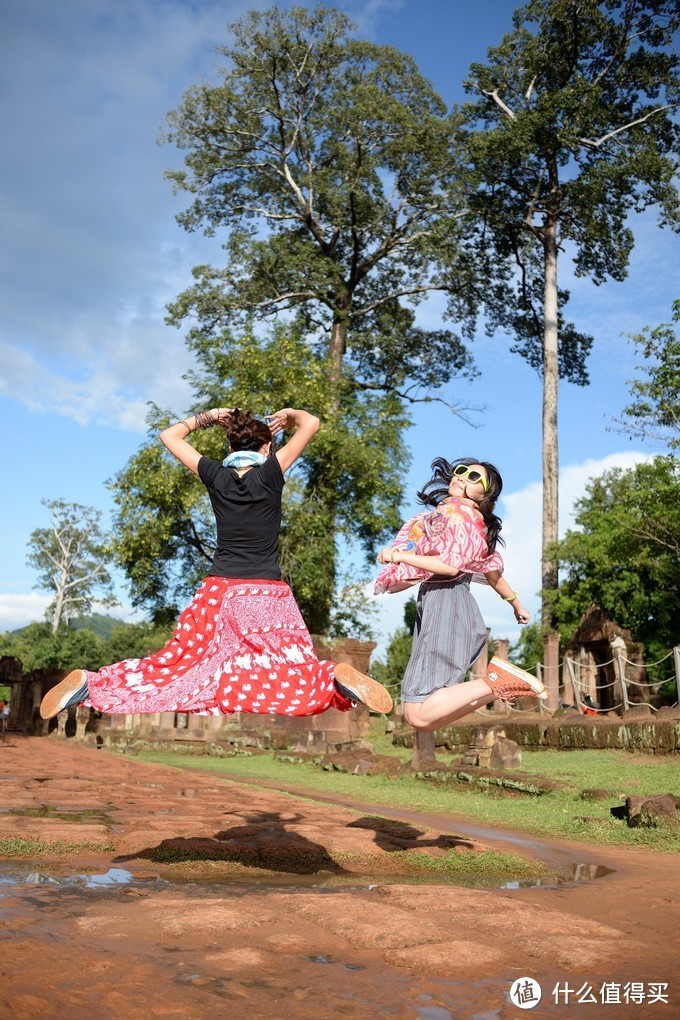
[{"x": 92, "y": 255}]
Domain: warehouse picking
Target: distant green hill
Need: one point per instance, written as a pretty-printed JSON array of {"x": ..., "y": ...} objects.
[{"x": 99, "y": 623}]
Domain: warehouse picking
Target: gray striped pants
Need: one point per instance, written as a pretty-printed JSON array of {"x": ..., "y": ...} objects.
[{"x": 449, "y": 636}]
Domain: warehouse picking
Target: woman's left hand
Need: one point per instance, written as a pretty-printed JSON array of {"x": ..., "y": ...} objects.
[
  {"x": 386, "y": 555},
  {"x": 521, "y": 614}
]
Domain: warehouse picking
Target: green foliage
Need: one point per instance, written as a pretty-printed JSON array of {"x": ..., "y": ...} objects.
[
  {"x": 353, "y": 612},
  {"x": 528, "y": 650},
  {"x": 38, "y": 647},
  {"x": 410, "y": 612},
  {"x": 326, "y": 163},
  {"x": 78, "y": 647},
  {"x": 572, "y": 132},
  {"x": 390, "y": 670},
  {"x": 625, "y": 555},
  {"x": 348, "y": 484},
  {"x": 136, "y": 640},
  {"x": 70, "y": 558},
  {"x": 655, "y": 412}
]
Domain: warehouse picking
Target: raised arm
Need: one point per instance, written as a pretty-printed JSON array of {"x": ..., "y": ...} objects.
[
  {"x": 500, "y": 585},
  {"x": 174, "y": 438},
  {"x": 306, "y": 426}
]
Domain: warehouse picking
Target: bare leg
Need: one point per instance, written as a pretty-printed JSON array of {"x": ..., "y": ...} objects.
[{"x": 447, "y": 704}]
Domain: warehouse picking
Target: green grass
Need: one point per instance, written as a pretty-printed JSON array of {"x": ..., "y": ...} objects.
[
  {"x": 21, "y": 847},
  {"x": 559, "y": 815},
  {"x": 486, "y": 868}
]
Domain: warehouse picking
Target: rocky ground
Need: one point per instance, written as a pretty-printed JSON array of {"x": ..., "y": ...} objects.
[{"x": 204, "y": 897}]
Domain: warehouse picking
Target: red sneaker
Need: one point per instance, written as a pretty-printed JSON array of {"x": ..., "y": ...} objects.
[
  {"x": 357, "y": 686},
  {"x": 508, "y": 682}
]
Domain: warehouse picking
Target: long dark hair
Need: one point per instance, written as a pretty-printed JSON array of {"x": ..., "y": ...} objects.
[
  {"x": 437, "y": 489},
  {"x": 246, "y": 432}
]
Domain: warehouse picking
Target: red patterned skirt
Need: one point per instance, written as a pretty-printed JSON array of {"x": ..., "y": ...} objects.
[{"x": 240, "y": 646}]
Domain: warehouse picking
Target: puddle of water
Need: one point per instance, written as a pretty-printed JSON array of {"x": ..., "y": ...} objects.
[
  {"x": 113, "y": 878},
  {"x": 574, "y": 873}
]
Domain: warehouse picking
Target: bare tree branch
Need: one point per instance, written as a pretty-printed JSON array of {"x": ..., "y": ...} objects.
[
  {"x": 592, "y": 144},
  {"x": 496, "y": 98}
]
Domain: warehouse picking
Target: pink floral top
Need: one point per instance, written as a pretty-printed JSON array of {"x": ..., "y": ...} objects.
[{"x": 454, "y": 532}]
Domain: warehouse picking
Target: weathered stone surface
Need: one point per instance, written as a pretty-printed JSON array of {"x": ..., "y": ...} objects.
[
  {"x": 639, "y": 711},
  {"x": 482, "y": 740},
  {"x": 516, "y": 782},
  {"x": 197, "y": 944},
  {"x": 363, "y": 763},
  {"x": 505, "y": 754},
  {"x": 596, "y": 793},
  {"x": 647, "y": 812}
]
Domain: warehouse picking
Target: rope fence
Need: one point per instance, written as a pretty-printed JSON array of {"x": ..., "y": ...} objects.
[
  {"x": 621, "y": 680},
  {"x": 582, "y": 689}
]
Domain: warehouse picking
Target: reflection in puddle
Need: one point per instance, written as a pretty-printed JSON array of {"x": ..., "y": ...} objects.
[
  {"x": 433, "y": 1013},
  {"x": 574, "y": 873},
  {"x": 114, "y": 877},
  {"x": 321, "y": 881}
]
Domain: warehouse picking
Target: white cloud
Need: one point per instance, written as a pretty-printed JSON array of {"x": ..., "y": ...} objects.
[
  {"x": 19, "y": 610},
  {"x": 91, "y": 252},
  {"x": 521, "y": 512},
  {"x": 369, "y": 13}
]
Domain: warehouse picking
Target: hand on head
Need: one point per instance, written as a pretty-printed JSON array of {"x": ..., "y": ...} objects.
[
  {"x": 278, "y": 421},
  {"x": 222, "y": 415}
]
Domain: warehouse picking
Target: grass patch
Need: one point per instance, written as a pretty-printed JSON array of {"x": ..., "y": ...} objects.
[
  {"x": 486, "y": 869},
  {"x": 20, "y": 847},
  {"x": 77, "y": 817},
  {"x": 559, "y": 814}
]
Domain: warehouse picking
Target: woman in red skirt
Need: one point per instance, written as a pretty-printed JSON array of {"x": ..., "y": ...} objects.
[{"x": 241, "y": 645}]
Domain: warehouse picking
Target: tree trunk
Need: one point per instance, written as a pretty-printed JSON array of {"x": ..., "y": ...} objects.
[
  {"x": 423, "y": 750},
  {"x": 337, "y": 348},
  {"x": 59, "y": 599},
  {"x": 550, "y": 389}
]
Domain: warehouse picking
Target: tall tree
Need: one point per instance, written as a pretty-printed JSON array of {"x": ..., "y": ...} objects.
[
  {"x": 624, "y": 554},
  {"x": 654, "y": 415},
  {"x": 70, "y": 556},
  {"x": 326, "y": 166},
  {"x": 571, "y": 132}
]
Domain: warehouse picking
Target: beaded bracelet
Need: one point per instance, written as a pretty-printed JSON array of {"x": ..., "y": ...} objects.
[{"x": 205, "y": 420}]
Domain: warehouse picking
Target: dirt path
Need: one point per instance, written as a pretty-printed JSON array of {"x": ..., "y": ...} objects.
[{"x": 310, "y": 941}]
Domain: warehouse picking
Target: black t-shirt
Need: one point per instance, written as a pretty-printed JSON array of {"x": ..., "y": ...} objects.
[{"x": 248, "y": 517}]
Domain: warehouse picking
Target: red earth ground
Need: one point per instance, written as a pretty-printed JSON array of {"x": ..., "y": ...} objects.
[{"x": 294, "y": 933}]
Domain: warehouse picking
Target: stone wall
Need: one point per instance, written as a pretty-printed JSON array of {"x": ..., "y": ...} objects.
[{"x": 654, "y": 734}]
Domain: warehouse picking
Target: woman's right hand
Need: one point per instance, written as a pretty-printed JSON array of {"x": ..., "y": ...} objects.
[
  {"x": 280, "y": 421},
  {"x": 385, "y": 555}
]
